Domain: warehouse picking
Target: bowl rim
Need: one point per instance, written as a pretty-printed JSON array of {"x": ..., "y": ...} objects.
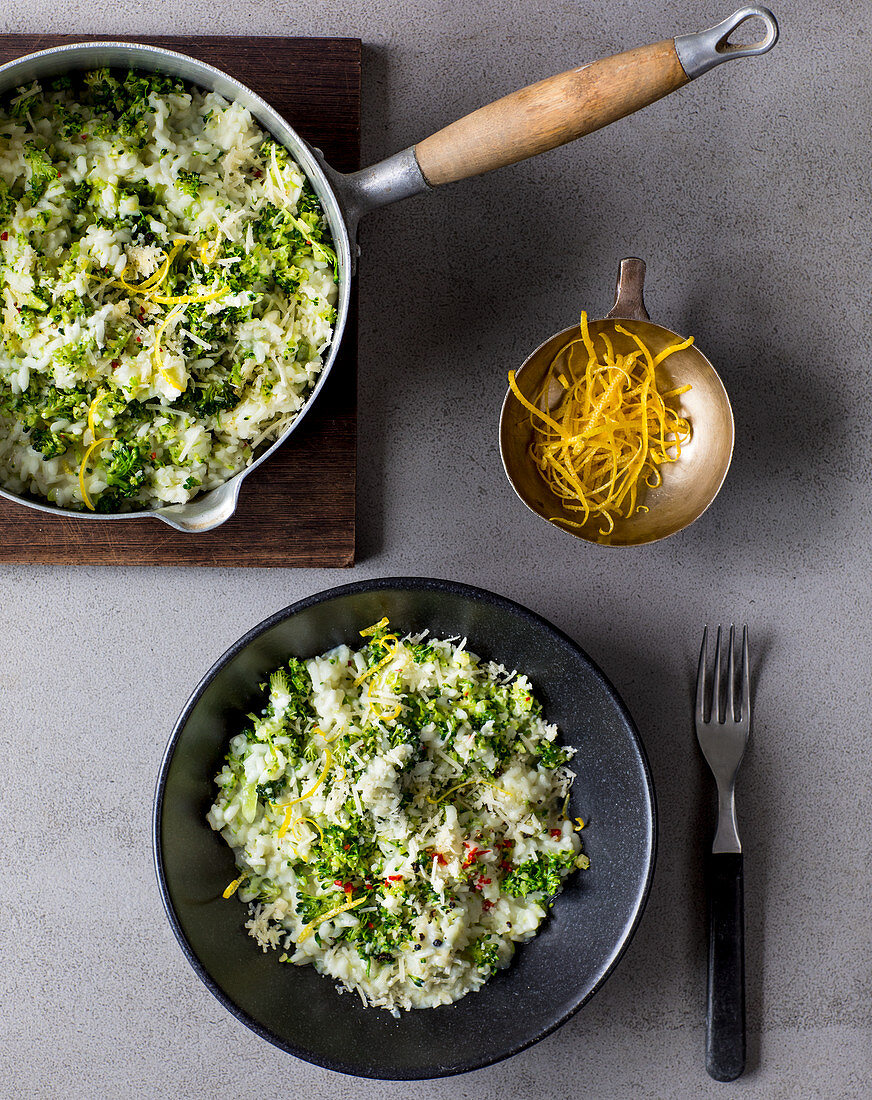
[{"x": 376, "y": 584}]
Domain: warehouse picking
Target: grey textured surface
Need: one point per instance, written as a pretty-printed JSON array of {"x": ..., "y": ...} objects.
[{"x": 747, "y": 193}]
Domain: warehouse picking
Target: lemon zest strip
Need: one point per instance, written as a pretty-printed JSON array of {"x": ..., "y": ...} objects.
[
  {"x": 157, "y": 354},
  {"x": 185, "y": 299},
  {"x": 451, "y": 790},
  {"x": 286, "y": 806},
  {"x": 97, "y": 443},
  {"x": 92, "y": 412},
  {"x": 370, "y": 630},
  {"x": 328, "y": 915},
  {"x": 234, "y": 886},
  {"x": 313, "y": 823}
]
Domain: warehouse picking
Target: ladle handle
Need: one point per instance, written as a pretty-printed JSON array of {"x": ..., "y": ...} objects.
[
  {"x": 629, "y": 297},
  {"x": 564, "y": 107}
]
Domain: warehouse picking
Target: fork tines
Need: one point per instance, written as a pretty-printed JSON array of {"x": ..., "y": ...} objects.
[{"x": 717, "y": 712}]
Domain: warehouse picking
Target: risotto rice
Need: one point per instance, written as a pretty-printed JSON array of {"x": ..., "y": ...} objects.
[
  {"x": 398, "y": 818},
  {"x": 167, "y": 290}
]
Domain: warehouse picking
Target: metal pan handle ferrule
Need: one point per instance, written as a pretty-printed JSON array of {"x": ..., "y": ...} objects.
[{"x": 702, "y": 51}]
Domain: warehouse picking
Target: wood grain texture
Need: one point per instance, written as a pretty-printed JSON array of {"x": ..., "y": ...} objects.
[
  {"x": 550, "y": 113},
  {"x": 298, "y": 508}
]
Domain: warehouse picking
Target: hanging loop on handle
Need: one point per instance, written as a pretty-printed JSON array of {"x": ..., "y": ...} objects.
[{"x": 702, "y": 51}]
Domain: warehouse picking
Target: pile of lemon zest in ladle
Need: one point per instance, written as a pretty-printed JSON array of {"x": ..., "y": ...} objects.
[
  {"x": 286, "y": 806},
  {"x": 328, "y": 915},
  {"x": 234, "y": 886},
  {"x": 610, "y": 431},
  {"x": 97, "y": 443}
]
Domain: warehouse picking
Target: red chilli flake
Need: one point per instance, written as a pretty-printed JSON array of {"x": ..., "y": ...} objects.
[
  {"x": 487, "y": 905},
  {"x": 394, "y": 878},
  {"x": 440, "y": 859},
  {"x": 556, "y": 833},
  {"x": 4, "y": 236}
]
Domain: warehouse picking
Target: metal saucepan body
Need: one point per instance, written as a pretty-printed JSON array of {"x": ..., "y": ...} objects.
[
  {"x": 689, "y": 485},
  {"x": 541, "y": 117},
  {"x": 214, "y": 507}
]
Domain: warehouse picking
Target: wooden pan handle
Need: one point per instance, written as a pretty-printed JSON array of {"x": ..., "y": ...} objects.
[{"x": 551, "y": 113}]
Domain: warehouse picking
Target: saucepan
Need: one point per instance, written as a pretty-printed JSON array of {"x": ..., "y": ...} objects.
[{"x": 530, "y": 121}]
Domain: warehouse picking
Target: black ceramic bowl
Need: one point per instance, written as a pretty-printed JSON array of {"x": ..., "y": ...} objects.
[{"x": 549, "y": 978}]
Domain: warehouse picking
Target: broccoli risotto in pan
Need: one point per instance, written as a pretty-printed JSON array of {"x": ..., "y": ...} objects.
[
  {"x": 398, "y": 814},
  {"x": 167, "y": 290}
]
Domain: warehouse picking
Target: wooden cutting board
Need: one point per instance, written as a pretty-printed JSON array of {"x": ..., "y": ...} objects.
[{"x": 298, "y": 508}]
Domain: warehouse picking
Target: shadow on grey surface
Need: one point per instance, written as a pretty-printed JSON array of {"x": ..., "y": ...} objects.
[
  {"x": 792, "y": 428},
  {"x": 371, "y": 434}
]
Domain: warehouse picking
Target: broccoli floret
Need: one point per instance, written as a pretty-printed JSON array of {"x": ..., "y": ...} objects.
[
  {"x": 279, "y": 682},
  {"x": 189, "y": 183},
  {"x": 51, "y": 403},
  {"x": 485, "y": 955},
  {"x": 542, "y": 874},
  {"x": 42, "y": 172},
  {"x": 298, "y": 675},
  {"x": 423, "y": 652},
  {"x": 271, "y": 791},
  {"x": 125, "y": 470},
  {"x": 551, "y": 755},
  {"x": 48, "y": 443},
  {"x": 308, "y": 201},
  {"x": 80, "y": 196},
  {"x": 109, "y": 502},
  {"x": 103, "y": 89},
  {"x": 7, "y": 202},
  {"x": 209, "y": 398}
]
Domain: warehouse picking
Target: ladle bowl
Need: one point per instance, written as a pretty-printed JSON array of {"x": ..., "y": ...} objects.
[{"x": 689, "y": 485}]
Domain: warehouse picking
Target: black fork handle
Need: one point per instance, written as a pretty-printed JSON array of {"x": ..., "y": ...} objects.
[{"x": 725, "y": 1006}]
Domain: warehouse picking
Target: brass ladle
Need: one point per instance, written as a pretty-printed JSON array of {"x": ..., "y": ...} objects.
[{"x": 689, "y": 485}]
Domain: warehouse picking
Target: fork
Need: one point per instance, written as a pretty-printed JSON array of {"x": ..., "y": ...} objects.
[{"x": 723, "y": 737}]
